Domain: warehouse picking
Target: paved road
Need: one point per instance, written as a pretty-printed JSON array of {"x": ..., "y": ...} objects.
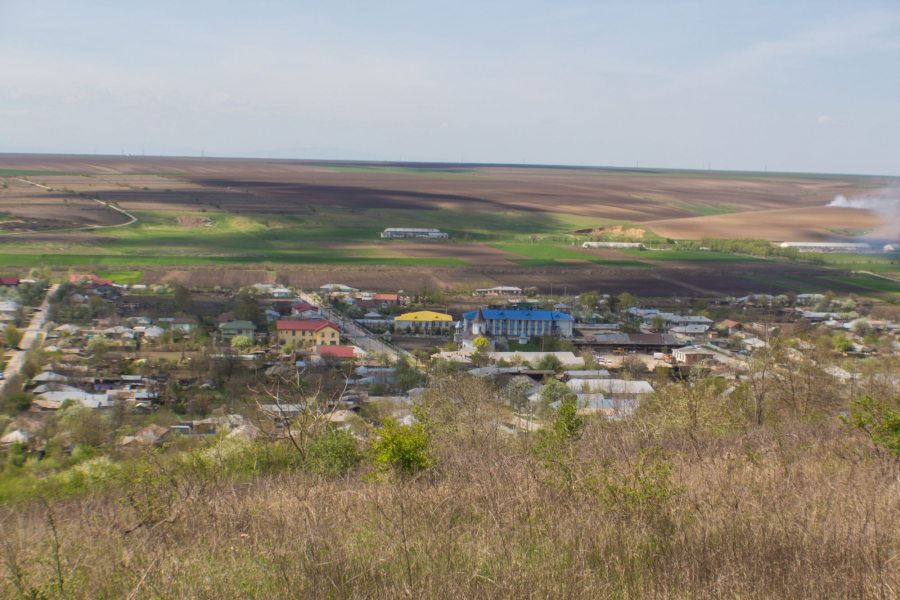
[
  {"x": 352, "y": 330},
  {"x": 29, "y": 337}
]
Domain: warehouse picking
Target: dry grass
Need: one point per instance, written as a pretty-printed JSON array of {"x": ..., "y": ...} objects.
[{"x": 800, "y": 511}]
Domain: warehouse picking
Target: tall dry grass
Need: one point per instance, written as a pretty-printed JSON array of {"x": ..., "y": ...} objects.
[{"x": 802, "y": 510}]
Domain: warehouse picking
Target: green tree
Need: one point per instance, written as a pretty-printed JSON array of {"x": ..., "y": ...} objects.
[
  {"x": 406, "y": 377},
  {"x": 12, "y": 337},
  {"x": 16, "y": 402},
  {"x": 241, "y": 342},
  {"x": 15, "y": 455},
  {"x": 553, "y": 391},
  {"x": 83, "y": 425},
  {"x": 657, "y": 322},
  {"x": 550, "y": 362},
  {"x": 841, "y": 342},
  {"x": 530, "y": 292},
  {"x": 879, "y": 420},
  {"x": 861, "y": 327},
  {"x": 515, "y": 391},
  {"x": 626, "y": 300},
  {"x": 98, "y": 347},
  {"x": 335, "y": 452},
  {"x": 481, "y": 343},
  {"x": 405, "y": 449},
  {"x": 248, "y": 309}
]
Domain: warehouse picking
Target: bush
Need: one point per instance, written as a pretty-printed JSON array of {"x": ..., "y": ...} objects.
[
  {"x": 333, "y": 453},
  {"x": 402, "y": 448},
  {"x": 16, "y": 402}
]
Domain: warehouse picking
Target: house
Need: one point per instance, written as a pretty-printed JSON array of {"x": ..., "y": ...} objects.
[
  {"x": 815, "y": 317},
  {"x": 337, "y": 288},
  {"x": 185, "y": 324},
  {"x": 521, "y": 323},
  {"x": 232, "y": 329},
  {"x": 9, "y": 281},
  {"x": 500, "y": 290},
  {"x": 691, "y": 355},
  {"x": 633, "y": 342},
  {"x": 567, "y": 359},
  {"x": 562, "y": 307},
  {"x": 689, "y": 330},
  {"x": 153, "y": 332},
  {"x": 336, "y": 352},
  {"x": 9, "y": 307},
  {"x": 18, "y": 436},
  {"x": 618, "y": 388},
  {"x": 426, "y": 319},
  {"x": 318, "y": 332},
  {"x": 592, "y": 404},
  {"x": 304, "y": 309},
  {"x": 54, "y": 400},
  {"x": 50, "y": 377},
  {"x": 732, "y": 326},
  {"x": 809, "y": 298},
  {"x": 88, "y": 279},
  {"x": 386, "y": 299}
]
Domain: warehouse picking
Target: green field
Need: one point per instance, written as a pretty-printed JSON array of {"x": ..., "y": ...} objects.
[
  {"x": 542, "y": 251},
  {"x": 545, "y": 255},
  {"x": 123, "y": 277},
  {"x": 690, "y": 256},
  {"x": 877, "y": 263},
  {"x": 159, "y": 240},
  {"x": 719, "y": 209},
  {"x": 780, "y": 283},
  {"x": 871, "y": 283}
]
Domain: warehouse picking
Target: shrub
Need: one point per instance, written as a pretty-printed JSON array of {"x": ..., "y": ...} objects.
[
  {"x": 333, "y": 453},
  {"x": 402, "y": 448},
  {"x": 879, "y": 420}
]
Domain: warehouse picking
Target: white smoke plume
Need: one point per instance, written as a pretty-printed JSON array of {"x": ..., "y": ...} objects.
[{"x": 885, "y": 205}]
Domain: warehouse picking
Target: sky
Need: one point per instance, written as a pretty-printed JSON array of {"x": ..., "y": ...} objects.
[{"x": 809, "y": 86}]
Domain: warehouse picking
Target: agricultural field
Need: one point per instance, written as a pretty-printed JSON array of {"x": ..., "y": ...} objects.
[
  {"x": 871, "y": 283},
  {"x": 506, "y": 223},
  {"x": 690, "y": 256},
  {"x": 876, "y": 263}
]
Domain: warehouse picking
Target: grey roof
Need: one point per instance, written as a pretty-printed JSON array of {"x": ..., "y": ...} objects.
[
  {"x": 588, "y": 374},
  {"x": 637, "y": 339},
  {"x": 611, "y": 386}
]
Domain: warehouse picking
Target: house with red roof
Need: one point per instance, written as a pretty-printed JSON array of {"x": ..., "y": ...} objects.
[
  {"x": 304, "y": 309},
  {"x": 386, "y": 299},
  {"x": 733, "y": 326},
  {"x": 13, "y": 281},
  {"x": 89, "y": 279},
  {"x": 316, "y": 332},
  {"x": 336, "y": 352}
]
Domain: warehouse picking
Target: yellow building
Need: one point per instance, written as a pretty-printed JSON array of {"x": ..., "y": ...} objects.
[
  {"x": 427, "y": 320},
  {"x": 316, "y": 332}
]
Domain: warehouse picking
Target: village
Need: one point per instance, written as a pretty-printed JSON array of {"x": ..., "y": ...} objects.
[{"x": 90, "y": 362}]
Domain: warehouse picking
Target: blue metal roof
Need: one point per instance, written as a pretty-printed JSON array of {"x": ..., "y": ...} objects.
[{"x": 523, "y": 315}]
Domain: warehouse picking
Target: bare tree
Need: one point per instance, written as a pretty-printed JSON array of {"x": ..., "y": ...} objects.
[{"x": 297, "y": 409}]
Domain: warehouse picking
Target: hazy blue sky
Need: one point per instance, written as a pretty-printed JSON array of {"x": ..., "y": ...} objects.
[{"x": 797, "y": 86}]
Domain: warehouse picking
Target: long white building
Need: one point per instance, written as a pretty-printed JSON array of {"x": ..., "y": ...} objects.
[
  {"x": 407, "y": 232},
  {"x": 828, "y": 246}
]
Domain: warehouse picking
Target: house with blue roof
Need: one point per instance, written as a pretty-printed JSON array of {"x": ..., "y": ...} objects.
[{"x": 520, "y": 323}]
